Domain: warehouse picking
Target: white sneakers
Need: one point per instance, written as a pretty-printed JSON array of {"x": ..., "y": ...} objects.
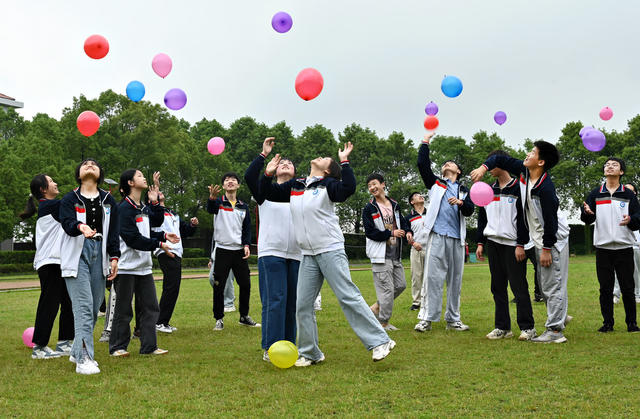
[
  {"x": 304, "y": 362},
  {"x": 380, "y": 352},
  {"x": 528, "y": 334},
  {"x": 499, "y": 334},
  {"x": 423, "y": 326},
  {"x": 159, "y": 351},
  {"x": 164, "y": 328},
  {"x": 120, "y": 353},
  {"x": 459, "y": 326},
  {"x": 87, "y": 367},
  {"x": 44, "y": 352},
  {"x": 229, "y": 309}
]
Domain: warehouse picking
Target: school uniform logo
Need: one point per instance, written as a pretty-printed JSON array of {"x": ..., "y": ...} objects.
[
  {"x": 511, "y": 200},
  {"x": 622, "y": 205},
  {"x": 316, "y": 192}
]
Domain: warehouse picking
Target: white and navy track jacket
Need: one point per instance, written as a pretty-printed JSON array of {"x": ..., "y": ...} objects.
[
  {"x": 72, "y": 214},
  {"x": 172, "y": 224},
  {"x": 417, "y": 223},
  {"x": 544, "y": 199},
  {"x": 375, "y": 232},
  {"x": 315, "y": 223},
  {"x": 137, "y": 241},
  {"x": 502, "y": 221},
  {"x": 608, "y": 211},
  {"x": 49, "y": 234},
  {"x": 437, "y": 187},
  {"x": 232, "y": 228},
  {"x": 276, "y": 235}
]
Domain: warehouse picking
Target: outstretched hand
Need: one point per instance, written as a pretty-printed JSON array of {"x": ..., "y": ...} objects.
[
  {"x": 477, "y": 174},
  {"x": 272, "y": 166},
  {"x": 427, "y": 137},
  {"x": 173, "y": 237},
  {"x": 156, "y": 179},
  {"x": 214, "y": 190},
  {"x": 344, "y": 153},
  {"x": 267, "y": 145},
  {"x": 152, "y": 193}
]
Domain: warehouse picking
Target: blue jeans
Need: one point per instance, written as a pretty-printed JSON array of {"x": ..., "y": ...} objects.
[
  {"x": 86, "y": 292},
  {"x": 278, "y": 279},
  {"x": 334, "y": 267}
]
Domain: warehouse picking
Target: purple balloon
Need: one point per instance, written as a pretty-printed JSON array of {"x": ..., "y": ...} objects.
[
  {"x": 431, "y": 109},
  {"x": 593, "y": 140},
  {"x": 585, "y": 129},
  {"x": 175, "y": 99},
  {"x": 281, "y": 22},
  {"x": 500, "y": 117}
]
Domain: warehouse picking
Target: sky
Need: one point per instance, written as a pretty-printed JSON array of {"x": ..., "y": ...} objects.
[{"x": 544, "y": 63}]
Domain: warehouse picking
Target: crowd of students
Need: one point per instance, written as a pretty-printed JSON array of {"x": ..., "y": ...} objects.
[{"x": 87, "y": 239}]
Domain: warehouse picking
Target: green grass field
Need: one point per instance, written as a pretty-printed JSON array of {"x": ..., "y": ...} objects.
[{"x": 437, "y": 373}]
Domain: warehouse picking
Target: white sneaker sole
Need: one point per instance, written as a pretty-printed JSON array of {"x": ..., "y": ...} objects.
[{"x": 392, "y": 344}]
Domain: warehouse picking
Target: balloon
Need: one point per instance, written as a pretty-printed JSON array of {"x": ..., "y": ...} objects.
[
  {"x": 283, "y": 354},
  {"x": 135, "y": 91},
  {"x": 481, "y": 194},
  {"x": 88, "y": 123},
  {"x": 215, "y": 145},
  {"x": 593, "y": 140},
  {"x": 431, "y": 109},
  {"x": 500, "y": 117},
  {"x": 309, "y": 83},
  {"x": 451, "y": 86},
  {"x": 584, "y": 129},
  {"x": 431, "y": 122},
  {"x": 96, "y": 46},
  {"x": 175, "y": 99},
  {"x": 27, "y": 337},
  {"x": 606, "y": 113},
  {"x": 281, "y": 22},
  {"x": 162, "y": 65}
]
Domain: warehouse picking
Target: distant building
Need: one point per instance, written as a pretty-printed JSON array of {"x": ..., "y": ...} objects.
[{"x": 7, "y": 102}]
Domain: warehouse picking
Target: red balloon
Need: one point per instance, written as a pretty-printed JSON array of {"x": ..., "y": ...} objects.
[
  {"x": 88, "y": 123},
  {"x": 96, "y": 47},
  {"x": 431, "y": 122},
  {"x": 309, "y": 83}
]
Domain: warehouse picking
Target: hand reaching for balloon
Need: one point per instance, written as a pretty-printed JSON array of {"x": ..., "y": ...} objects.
[
  {"x": 152, "y": 194},
  {"x": 427, "y": 137},
  {"x": 587, "y": 208},
  {"x": 214, "y": 190},
  {"x": 172, "y": 237},
  {"x": 156, "y": 180},
  {"x": 267, "y": 145},
  {"x": 477, "y": 174},
  {"x": 344, "y": 153},
  {"x": 272, "y": 166}
]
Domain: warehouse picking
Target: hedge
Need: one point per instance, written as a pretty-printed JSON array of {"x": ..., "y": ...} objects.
[
  {"x": 10, "y": 268},
  {"x": 16, "y": 256}
]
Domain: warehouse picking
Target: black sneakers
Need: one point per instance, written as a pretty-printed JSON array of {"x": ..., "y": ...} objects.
[
  {"x": 633, "y": 328},
  {"x": 248, "y": 321},
  {"x": 608, "y": 328}
]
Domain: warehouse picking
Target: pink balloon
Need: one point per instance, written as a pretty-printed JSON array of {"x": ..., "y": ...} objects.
[
  {"x": 162, "y": 65},
  {"x": 216, "y": 146},
  {"x": 606, "y": 113},
  {"x": 309, "y": 83},
  {"x": 481, "y": 194},
  {"x": 27, "y": 337}
]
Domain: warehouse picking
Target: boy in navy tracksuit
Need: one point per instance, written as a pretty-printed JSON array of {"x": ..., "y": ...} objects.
[
  {"x": 232, "y": 235},
  {"x": 384, "y": 227},
  {"x": 548, "y": 229},
  {"x": 502, "y": 233},
  {"x": 446, "y": 229},
  {"x": 616, "y": 212}
]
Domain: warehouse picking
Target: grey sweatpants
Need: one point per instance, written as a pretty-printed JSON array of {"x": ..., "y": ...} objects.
[
  {"x": 553, "y": 284},
  {"x": 389, "y": 281},
  {"x": 444, "y": 262}
]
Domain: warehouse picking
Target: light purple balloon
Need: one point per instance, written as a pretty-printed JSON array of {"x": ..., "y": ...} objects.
[
  {"x": 500, "y": 117},
  {"x": 593, "y": 140},
  {"x": 585, "y": 129},
  {"x": 175, "y": 99},
  {"x": 281, "y": 22},
  {"x": 431, "y": 109}
]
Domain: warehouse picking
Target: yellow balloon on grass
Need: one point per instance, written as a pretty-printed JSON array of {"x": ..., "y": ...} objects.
[{"x": 283, "y": 354}]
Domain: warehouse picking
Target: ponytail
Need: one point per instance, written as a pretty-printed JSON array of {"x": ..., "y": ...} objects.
[
  {"x": 39, "y": 183},
  {"x": 29, "y": 209}
]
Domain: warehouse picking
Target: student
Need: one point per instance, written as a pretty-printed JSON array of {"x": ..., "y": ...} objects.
[
  {"x": 501, "y": 231},
  {"x": 229, "y": 292},
  {"x": 171, "y": 266},
  {"x": 446, "y": 229},
  {"x": 416, "y": 220},
  {"x": 318, "y": 234},
  {"x": 616, "y": 213},
  {"x": 384, "y": 228},
  {"x": 232, "y": 234},
  {"x": 53, "y": 291},
  {"x": 89, "y": 218},
  {"x": 636, "y": 259},
  {"x": 137, "y": 241},
  {"x": 548, "y": 230},
  {"x": 278, "y": 255}
]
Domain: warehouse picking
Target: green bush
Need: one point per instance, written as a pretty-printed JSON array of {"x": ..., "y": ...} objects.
[
  {"x": 195, "y": 253},
  {"x": 187, "y": 263},
  {"x": 10, "y": 268},
  {"x": 16, "y": 256}
]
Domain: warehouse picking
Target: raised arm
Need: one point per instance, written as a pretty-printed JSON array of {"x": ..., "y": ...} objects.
[
  {"x": 511, "y": 165},
  {"x": 424, "y": 163},
  {"x": 340, "y": 190},
  {"x": 252, "y": 178}
]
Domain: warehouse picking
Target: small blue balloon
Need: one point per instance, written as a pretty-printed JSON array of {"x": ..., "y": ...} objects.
[
  {"x": 451, "y": 86},
  {"x": 135, "y": 91}
]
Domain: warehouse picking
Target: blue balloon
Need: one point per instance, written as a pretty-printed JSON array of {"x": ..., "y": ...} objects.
[
  {"x": 451, "y": 86},
  {"x": 135, "y": 91}
]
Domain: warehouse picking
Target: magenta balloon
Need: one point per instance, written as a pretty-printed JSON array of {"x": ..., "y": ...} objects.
[
  {"x": 585, "y": 129},
  {"x": 431, "y": 109},
  {"x": 27, "y": 337},
  {"x": 594, "y": 140},
  {"x": 215, "y": 146},
  {"x": 481, "y": 194},
  {"x": 606, "y": 113},
  {"x": 282, "y": 22},
  {"x": 162, "y": 65},
  {"x": 500, "y": 117},
  {"x": 175, "y": 99}
]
